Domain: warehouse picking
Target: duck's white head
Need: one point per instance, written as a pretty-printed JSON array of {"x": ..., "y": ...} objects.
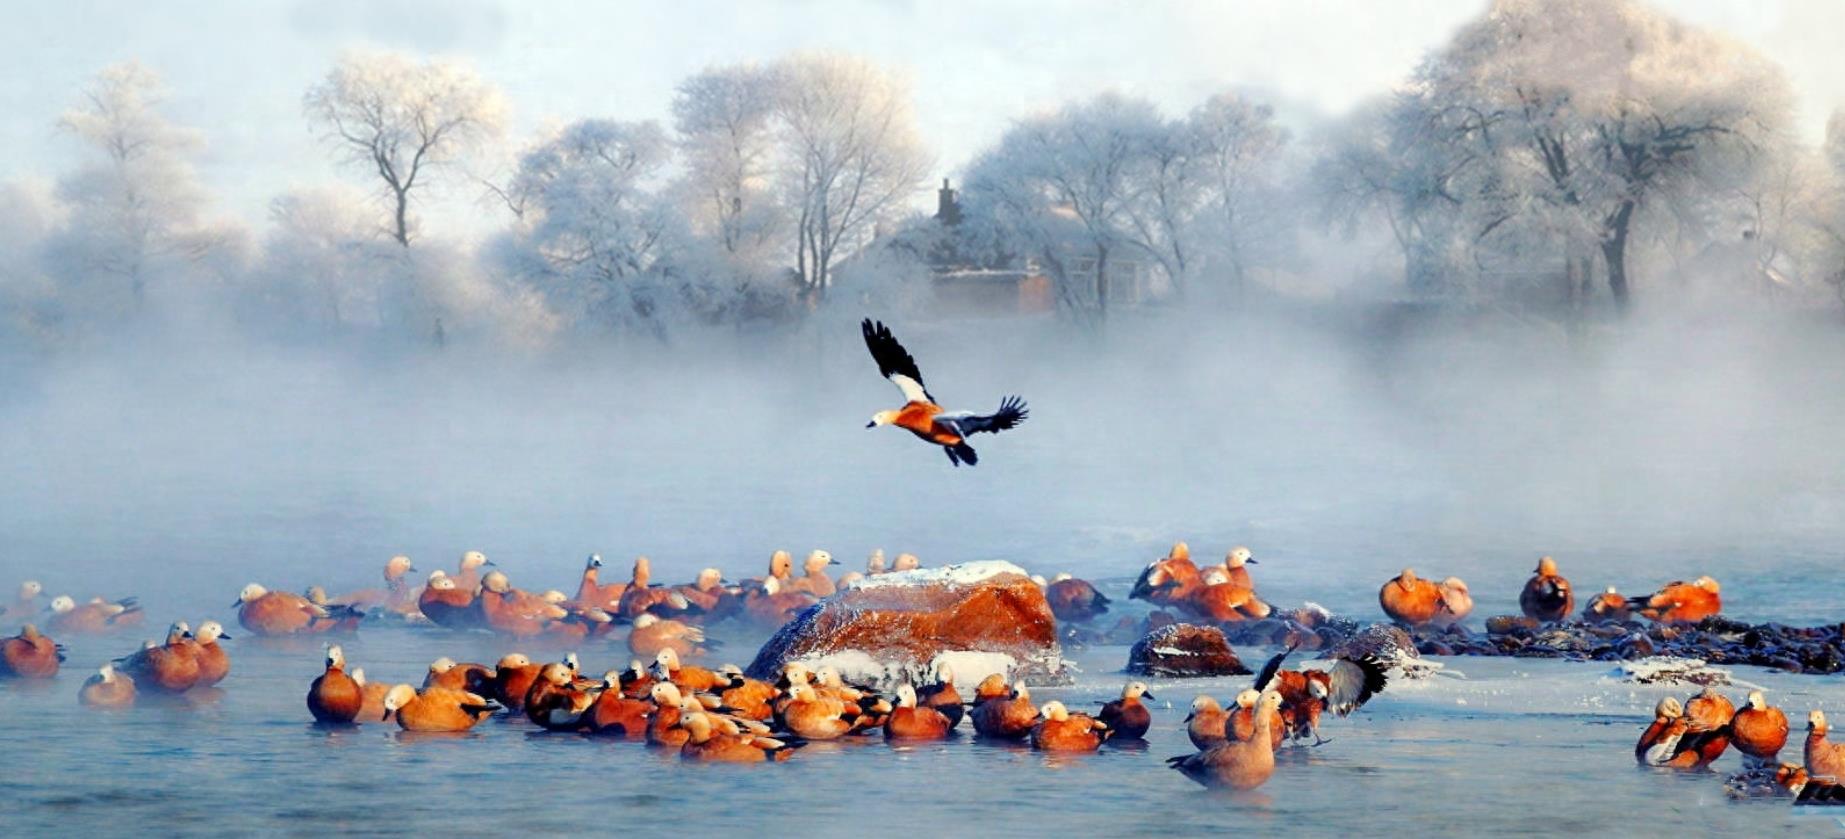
[
  {"x": 906, "y": 696},
  {"x": 1054, "y": 711},
  {"x": 472, "y": 560},
  {"x": 645, "y": 620},
  {"x": 1238, "y": 557},
  {"x": 1758, "y": 701},
  {"x": 249, "y": 593},
  {"x": 398, "y": 697},
  {"x": 1248, "y": 698},
  {"x": 62, "y": 603},
  {"x": 30, "y": 589},
  {"x": 882, "y": 418},
  {"x": 336, "y": 657},
  {"x": 210, "y": 632}
]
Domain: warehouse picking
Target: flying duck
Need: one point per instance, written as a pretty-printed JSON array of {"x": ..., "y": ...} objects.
[{"x": 921, "y": 415}]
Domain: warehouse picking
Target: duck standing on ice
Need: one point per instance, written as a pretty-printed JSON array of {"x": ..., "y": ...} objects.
[{"x": 920, "y": 414}]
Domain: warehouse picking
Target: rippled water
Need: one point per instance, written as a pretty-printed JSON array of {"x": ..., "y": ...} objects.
[{"x": 1516, "y": 747}]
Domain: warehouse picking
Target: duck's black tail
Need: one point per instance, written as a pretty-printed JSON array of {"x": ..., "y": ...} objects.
[{"x": 960, "y": 452}]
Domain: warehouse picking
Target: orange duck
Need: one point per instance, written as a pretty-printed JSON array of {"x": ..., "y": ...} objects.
[
  {"x": 1062, "y": 731},
  {"x": 663, "y": 728},
  {"x": 942, "y": 695},
  {"x": 266, "y": 612},
  {"x": 1236, "y": 764},
  {"x": 93, "y": 618},
  {"x": 1242, "y": 721},
  {"x": 1010, "y": 718},
  {"x": 813, "y": 579},
  {"x": 373, "y": 708},
  {"x": 921, "y": 415},
  {"x": 1681, "y": 602},
  {"x": 642, "y": 595},
  {"x": 1759, "y": 730},
  {"x": 652, "y": 634},
  {"x": 591, "y": 591},
  {"x": 169, "y": 667},
  {"x": 1170, "y": 581},
  {"x": 1128, "y": 717},
  {"x": 1823, "y": 758},
  {"x": 910, "y": 721},
  {"x": 335, "y": 698},
  {"x": 510, "y": 611},
  {"x": 467, "y": 676},
  {"x": 512, "y": 679},
  {"x": 705, "y": 743},
  {"x": 616, "y": 715},
  {"x": 468, "y": 572},
  {"x": 1607, "y": 607},
  {"x": 1547, "y": 595},
  {"x": 1207, "y": 725},
  {"x": 29, "y": 655},
  {"x": 1410, "y": 600},
  {"x": 436, "y": 709},
  {"x": 771, "y": 606},
  {"x": 444, "y": 603},
  {"x": 214, "y": 662},
  {"x": 1223, "y": 601},
  {"x": 107, "y": 689}
]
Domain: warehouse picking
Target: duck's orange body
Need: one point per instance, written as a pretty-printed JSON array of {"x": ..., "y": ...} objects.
[
  {"x": 1410, "y": 600},
  {"x": 29, "y": 655},
  {"x": 169, "y": 667},
  {"x": 1682, "y": 602}
]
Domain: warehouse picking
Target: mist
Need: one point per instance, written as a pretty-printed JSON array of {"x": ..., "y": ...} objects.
[{"x": 1372, "y": 340}]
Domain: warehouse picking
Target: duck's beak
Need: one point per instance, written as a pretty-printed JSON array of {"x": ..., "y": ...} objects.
[
  {"x": 1148, "y": 695},
  {"x": 224, "y": 637},
  {"x": 871, "y": 425},
  {"x": 1251, "y": 561}
]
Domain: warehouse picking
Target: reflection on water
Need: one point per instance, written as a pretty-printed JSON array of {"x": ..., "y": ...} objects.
[{"x": 1448, "y": 756}]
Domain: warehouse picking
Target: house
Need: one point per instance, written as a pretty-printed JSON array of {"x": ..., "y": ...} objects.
[{"x": 966, "y": 285}]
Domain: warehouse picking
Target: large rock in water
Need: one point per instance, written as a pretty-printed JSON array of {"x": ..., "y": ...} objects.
[
  {"x": 1184, "y": 650},
  {"x": 979, "y": 618}
]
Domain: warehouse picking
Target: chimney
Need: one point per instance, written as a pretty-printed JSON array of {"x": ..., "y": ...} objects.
[{"x": 947, "y": 209}]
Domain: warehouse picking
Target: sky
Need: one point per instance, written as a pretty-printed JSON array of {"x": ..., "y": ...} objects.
[{"x": 237, "y": 70}]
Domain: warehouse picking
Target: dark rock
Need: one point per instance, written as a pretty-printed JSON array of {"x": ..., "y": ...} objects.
[{"x": 1185, "y": 650}]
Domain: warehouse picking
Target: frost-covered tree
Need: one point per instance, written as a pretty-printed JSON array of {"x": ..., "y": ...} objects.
[
  {"x": 1236, "y": 147},
  {"x": 848, "y": 153},
  {"x": 136, "y": 201},
  {"x": 1578, "y": 117},
  {"x": 724, "y": 120},
  {"x": 398, "y": 120},
  {"x": 594, "y": 227}
]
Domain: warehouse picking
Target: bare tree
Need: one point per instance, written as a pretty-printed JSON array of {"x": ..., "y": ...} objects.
[
  {"x": 724, "y": 118},
  {"x": 140, "y": 200},
  {"x": 398, "y": 119},
  {"x": 850, "y": 155}
]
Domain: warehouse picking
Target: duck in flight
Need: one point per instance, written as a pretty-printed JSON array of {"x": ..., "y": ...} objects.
[{"x": 921, "y": 415}]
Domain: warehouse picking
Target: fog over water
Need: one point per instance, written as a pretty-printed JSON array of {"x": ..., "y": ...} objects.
[{"x": 1341, "y": 443}]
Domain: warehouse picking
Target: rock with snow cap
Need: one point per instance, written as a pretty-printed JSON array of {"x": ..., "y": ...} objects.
[{"x": 977, "y": 617}]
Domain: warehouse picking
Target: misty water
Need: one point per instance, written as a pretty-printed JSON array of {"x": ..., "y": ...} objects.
[{"x": 1341, "y": 443}]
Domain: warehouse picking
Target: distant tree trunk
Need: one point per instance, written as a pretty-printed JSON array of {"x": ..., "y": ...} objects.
[
  {"x": 1101, "y": 281},
  {"x": 402, "y": 233},
  {"x": 1614, "y": 252}
]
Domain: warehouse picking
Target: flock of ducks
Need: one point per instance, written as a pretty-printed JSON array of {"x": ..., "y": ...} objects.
[{"x": 723, "y": 715}]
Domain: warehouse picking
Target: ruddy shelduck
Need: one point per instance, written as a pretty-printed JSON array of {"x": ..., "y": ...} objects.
[
  {"x": 911, "y": 721},
  {"x": 1222, "y": 601},
  {"x": 921, "y": 415},
  {"x": 814, "y": 717},
  {"x": 1547, "y": 595},
  {"x": 1823, "y": 758},
  {"x": 444, "y": 603},
  {"x": 1759, "y": 730},
  {"x": 663, "y": 728},
  {"x": 1456, "y": 603},
  {"x": 1009, "y": 718},
  {"x": 468, "y": 571},
  {"x": 1342, "y": 688},
  {"x": 170, "y": 667},
  {"x": 613, "y": 714},
  {"x": 1652, "y": 749},
  {"x": 93, "y": 618},
  {"x": 29, "y": 655},
  {"x": 1128, "y": 717},
  {"x": 373, "y": 710},
  {"x": 1207, "y": 724},
  {"x": 1242, "y": 722},
  {"x": 813, "y": 579},
  {"x": 214, "y": 662},
  {"x": 1681, "y": 602},
  {"x": 1236, "y": 764},
  {"x": 335, "y": 698},
  {"x": 107, "y": 689},
  {"x": 266, "y": 612},
  {"x": 1171, "y": 580},
  {"x": 705, "y": 743},
  {"x": 447, "y": 673},
  {"x": 942, "y": 695},
  {"x": 1058, "y": 730},
  {"x": 651, "y": 634},
  {"x": 1607, "y": 607},
  {"x": 512, "y": 679},
  {"x": 591, "y": 591},
  {"x": 436, "y": 709},
  {"x": 1408, "y": 599}
]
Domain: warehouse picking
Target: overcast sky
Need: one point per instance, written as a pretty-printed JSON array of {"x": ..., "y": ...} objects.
[{"x": 237, "y": 69}]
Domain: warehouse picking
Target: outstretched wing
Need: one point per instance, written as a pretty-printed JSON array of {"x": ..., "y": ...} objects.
[
  {"x": 1272, "y": 667},
  {"x": 1011, "y": 412},
  {"x": 1354, "y": 681},
  {"x": 894, "y": 362}
]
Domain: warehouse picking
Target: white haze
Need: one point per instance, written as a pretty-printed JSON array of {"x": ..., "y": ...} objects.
[{"x": 1341, "y": 443}]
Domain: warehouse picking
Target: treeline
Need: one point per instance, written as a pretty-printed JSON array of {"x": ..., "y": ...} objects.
[{"x": 1558, "y": 158}]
